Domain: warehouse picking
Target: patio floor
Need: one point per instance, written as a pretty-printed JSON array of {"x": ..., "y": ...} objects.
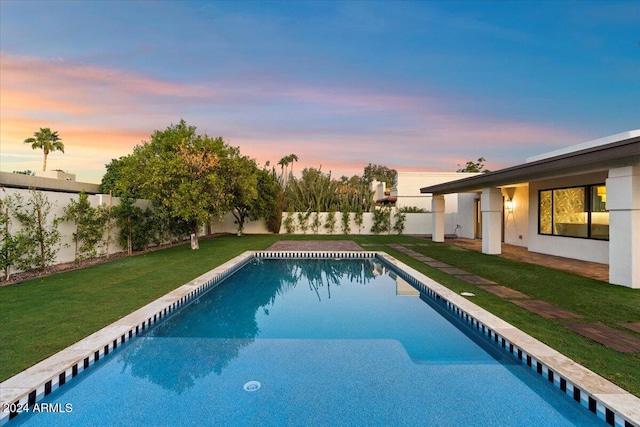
[{"x": 519, "y": 253}]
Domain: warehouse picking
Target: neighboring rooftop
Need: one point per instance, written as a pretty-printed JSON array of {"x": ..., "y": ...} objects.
[{"x": 63, "y": 183}]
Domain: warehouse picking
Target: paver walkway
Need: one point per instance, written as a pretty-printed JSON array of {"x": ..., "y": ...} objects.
[
  {"x": 504, "y": 292},
  {"x": 546, "y": 310},
  {"x": 605, "y": 335},
  {"x": 635, "y": 327}
]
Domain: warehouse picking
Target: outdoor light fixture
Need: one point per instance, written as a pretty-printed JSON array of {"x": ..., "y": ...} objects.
[{"x": 508, "y": 205}]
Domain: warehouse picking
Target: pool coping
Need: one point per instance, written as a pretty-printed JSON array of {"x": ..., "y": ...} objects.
[{"x": 606, "y": 400}]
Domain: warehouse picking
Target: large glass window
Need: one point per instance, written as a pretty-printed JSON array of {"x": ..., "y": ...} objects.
[{"x": 574, "y": 212}]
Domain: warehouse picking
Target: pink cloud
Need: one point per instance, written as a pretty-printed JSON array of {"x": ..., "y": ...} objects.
[{"x": 107, "y": 110}]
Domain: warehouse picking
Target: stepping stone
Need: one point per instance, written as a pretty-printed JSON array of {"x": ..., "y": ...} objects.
[
  {"x": 635, "y": 327},
  {"x": 424, "y": 258},
  {"x": 409, "y": 244},
  {"x": 476, "y": 280},
  {"x": 546, "y": 310},
  {"x": 437, "y": 264},
  {"x": 607, "y": 336},
  {"x": 504, "y": 292},
  {"x": 454, "y": 271}
]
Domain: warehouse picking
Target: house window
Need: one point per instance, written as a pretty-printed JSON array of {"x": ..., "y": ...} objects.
[{"x": 574, "y": 212}]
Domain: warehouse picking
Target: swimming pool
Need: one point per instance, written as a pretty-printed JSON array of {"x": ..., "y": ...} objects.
[{"x": 315, "y": 342}]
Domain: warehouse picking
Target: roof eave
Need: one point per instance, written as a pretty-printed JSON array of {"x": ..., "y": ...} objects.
[{"x": 619, "y": 153}]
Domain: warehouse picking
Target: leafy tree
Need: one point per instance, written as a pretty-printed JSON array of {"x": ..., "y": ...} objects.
[
  {"x": 47, "y": 141},
  {"x": 381, "y": 220},
  {"x": 316, "y": 223},
  {"x": 399, "y": 221},
  {"x": 271, "y": 200},
  {"x": 359, "y": 218},
  {"x": 116, "y": 180},
  {"x": 9, "y": 253},
  {"x": 303, "y": 221},
  {"x": 289, "y": 221},
  {"x": 240, "y": 184},
  {"x": 137, "y": 226},
  {"x": 472, "y": 166},
  {"x": 90, "y": 225},
  {"x": 346, "y": 221},
  {"x": 180, "y": 172},
  {"x": 330, "y": 224},
  {"x": 380, "y": 173},
  {"x": 38, "y": 240}
]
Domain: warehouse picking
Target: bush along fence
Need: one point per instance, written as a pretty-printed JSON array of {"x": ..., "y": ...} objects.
[{"x": 40, "y": 229}]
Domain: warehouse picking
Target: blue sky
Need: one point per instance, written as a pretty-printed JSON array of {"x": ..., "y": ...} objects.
[{"x": 411, "y": 85}]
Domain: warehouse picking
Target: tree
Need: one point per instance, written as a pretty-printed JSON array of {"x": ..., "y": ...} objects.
[
  {"x": 90, "y": 225},
  {"x": 241, "y": 185},
  {"x": 284, "y": 163},
  {"x": 471, "y": 166},
  {"x": 271, "y": 199},
  {"x": 380, "y": 173},
  {"x": 137, "y": 226},
  {"x": 184, "y": 174},
  {"x": 38, "y": 240},
  {"x": 9, "y": 254},
  {"x": 115, "y": 180},
  {"x": 47, "y": 141}
]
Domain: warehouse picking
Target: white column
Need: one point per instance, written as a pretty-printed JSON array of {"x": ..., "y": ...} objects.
[
  {"x": 491, "y": 201},
  {"x": 623, "y": 203},
  {"x": 437, "y": 209}
]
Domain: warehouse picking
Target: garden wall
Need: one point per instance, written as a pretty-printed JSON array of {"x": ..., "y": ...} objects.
[
  {"x": 59, "y": 200},
  {"x": 415, "y": 223}
]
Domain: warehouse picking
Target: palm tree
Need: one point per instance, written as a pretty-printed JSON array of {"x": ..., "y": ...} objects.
[
  {"x": 46, "y": 141},
  {"x": 292, "y": 158}
]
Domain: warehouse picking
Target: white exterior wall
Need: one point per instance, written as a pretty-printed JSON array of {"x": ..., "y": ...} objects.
[
  {"x": 492, "y": 207},
  {"x": 623, "y": 202},
  {"x": 516, "y": 223},
  {"x": 569, "y": 247},
  {"x": 59, "y": 200},
  {"x": 415, "y": 223},
  {"x": 409, "y": 184},
  {"x": 465, "y": 215}
]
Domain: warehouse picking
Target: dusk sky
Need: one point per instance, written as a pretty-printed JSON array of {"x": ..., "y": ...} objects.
[{"x": 410, "y": 85}]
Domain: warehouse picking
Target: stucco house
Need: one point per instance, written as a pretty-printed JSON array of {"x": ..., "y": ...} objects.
[{"x": 580, "y": 202}]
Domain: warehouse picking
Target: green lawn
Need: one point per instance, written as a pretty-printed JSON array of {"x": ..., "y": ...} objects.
[{"x": 43, "y": 316}]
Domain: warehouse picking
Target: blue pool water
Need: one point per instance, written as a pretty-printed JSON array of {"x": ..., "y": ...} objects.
[{"x": 330, "y": 342}]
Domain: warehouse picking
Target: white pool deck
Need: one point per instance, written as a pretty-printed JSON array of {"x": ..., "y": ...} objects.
[{"x": 625, "y": 406}]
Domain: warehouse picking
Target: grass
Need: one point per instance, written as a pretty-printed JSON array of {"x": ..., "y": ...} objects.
[{"x": 43, "y": 316}]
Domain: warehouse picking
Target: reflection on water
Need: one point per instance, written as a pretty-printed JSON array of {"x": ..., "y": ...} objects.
[{"x": 226, "y": 316}]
